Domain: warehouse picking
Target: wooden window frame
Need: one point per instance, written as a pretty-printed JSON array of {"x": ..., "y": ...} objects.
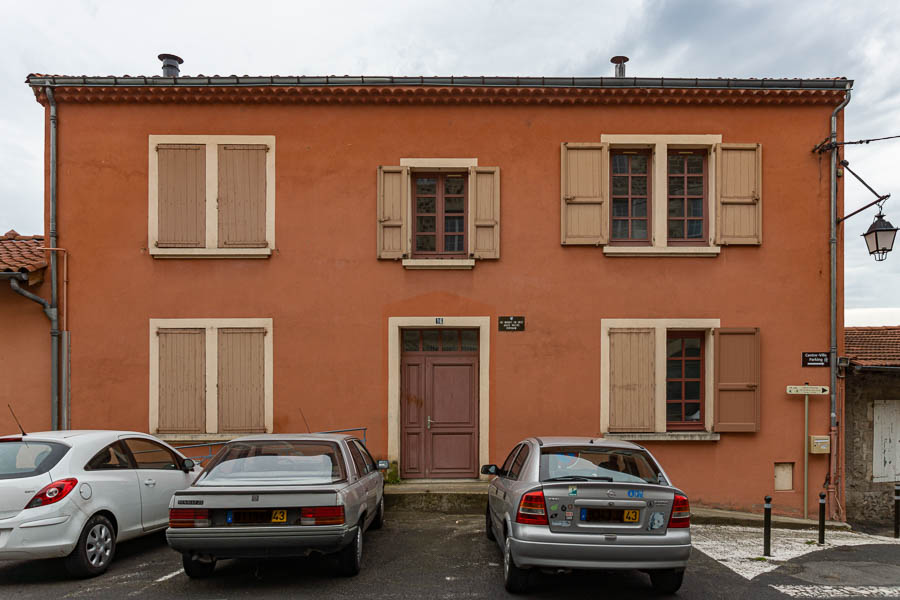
[
  {"x": 703, "y": 240},
  {"x": 210, "y": 248},
  {"x": 439, "y": 215},
  {"x": 212, "y": 408},
  {"x": 631, "y": 241},
  {"x": 687, "y": 425}
]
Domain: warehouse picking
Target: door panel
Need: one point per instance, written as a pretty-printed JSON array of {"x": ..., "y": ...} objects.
[
  {"x": 159, "y": 475},
  {"x": 412, "y": 418},
  {"x": 451, "y": 434}
]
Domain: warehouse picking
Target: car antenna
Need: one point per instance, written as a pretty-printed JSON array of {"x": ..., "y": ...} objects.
[
  {"x": 308, "y": 430},
  {"x": 16, "y": 419}
]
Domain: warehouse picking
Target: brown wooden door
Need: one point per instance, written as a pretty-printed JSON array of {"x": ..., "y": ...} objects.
[{"x": 439, "y": 408}]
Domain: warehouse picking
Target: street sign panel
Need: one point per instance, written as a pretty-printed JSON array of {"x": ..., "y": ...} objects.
[
  {"x": 815, "y": 359},
  {"x": 511, "y": 323},
  {"x": 804, "y": 390}
]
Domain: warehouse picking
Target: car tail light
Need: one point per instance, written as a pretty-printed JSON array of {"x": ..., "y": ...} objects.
[
  {"x": 681, "y": 513},
  {"x": 188, "y": 517},
  {"x": 532, "y": 509},
  {"x": 322, "y": 515},
  {"x": 52, "y": 493}
]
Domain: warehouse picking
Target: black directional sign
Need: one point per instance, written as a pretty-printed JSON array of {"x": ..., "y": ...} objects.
[
  {"x": 511, "y": 324},
  {"x": 816, "y": 359}
]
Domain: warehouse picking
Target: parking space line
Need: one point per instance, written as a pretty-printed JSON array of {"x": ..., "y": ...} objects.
[
  {"x": 169, "y": 576},
  {"x": 839, "y": 591}
]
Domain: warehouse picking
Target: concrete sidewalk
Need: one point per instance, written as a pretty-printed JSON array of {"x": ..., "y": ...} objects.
[{"x": 470, "y": 497}]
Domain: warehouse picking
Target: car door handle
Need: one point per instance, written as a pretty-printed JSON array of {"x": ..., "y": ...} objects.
[{"x": 150, "y": 482}]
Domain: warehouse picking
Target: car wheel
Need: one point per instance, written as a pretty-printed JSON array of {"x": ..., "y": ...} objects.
[
  {"x": 667, "y": 582},
  {"x": 514, "y": 579},
  {"x": 350, "y": 558},
  {"x": 488, "y": 528},
  {"x": 94, "y": 550},
  {"x": 378, "y": 521},
  {"x": 197, "y": 569}
]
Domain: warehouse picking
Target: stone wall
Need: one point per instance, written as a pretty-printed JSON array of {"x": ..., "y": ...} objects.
[{"x": 867, "y": 502}]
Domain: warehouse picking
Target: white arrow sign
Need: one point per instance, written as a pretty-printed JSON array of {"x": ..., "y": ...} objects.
[{"x": 804, "y": 390}]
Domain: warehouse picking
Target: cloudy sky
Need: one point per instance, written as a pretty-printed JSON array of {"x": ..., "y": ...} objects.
[{"x": 689, "y": 38}]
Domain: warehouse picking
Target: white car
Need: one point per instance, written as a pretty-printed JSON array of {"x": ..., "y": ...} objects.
[{"x": 76, "y": 494}]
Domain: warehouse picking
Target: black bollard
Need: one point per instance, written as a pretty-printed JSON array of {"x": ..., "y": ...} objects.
[
  {"x": 897, "y": 510},
  {"x": 767, "y": 527},
  {"x": 821, "y": 517}
]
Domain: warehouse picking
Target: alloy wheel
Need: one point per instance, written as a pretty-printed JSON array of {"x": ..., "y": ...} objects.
[{"x": 98, "y": 545}]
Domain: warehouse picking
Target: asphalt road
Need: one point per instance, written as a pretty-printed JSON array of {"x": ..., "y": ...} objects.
[{"x": 431, "y": 556}]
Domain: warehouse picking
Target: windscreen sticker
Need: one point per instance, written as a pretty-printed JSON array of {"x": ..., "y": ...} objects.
[
  {"x": 553, "y": 507},
  {"x": 573, "y": 490},
  {"x": 635, "y": 493},
  {"x": 560, "y": 523},
  {"x": 570, "y": 515},
  {"x": 657, "y": 520}
]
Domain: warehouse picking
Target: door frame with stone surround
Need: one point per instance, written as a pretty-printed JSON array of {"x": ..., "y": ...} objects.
[{"x": 395, "y": 324}]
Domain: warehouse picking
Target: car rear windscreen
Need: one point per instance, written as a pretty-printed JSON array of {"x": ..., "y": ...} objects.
[
  {"x": 596, "y": 463},
  {"x": 300, "y": 462},
  {"x": 20, "y": 458}
]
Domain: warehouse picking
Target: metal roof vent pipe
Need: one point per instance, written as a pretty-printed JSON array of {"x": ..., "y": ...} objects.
[
  {"x": 619, "y": 61},
  {"x": 170, "y": 64}
]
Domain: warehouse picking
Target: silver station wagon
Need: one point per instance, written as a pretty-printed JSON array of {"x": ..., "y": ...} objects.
[
  {"x": 561, "y": 503},
  {"x": 279, "y": 495}
]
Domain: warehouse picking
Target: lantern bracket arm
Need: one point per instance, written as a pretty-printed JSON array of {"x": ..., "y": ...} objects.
[{"x": 879, "y": 198}]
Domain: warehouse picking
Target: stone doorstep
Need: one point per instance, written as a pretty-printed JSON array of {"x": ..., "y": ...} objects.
[{"x": 469, "y": 497}]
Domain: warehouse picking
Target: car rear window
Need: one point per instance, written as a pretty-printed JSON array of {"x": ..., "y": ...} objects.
[
  {"x": 564, "y": 463},
  {"x": 296, "y": 462},
  {"x": 20, "y": 458}
]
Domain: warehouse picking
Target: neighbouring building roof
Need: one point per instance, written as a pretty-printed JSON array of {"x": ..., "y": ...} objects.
[
  {"x": 873, "y": 346},
  {"x": 453, "y": 90},
  {"x": 21, "y": 253}
]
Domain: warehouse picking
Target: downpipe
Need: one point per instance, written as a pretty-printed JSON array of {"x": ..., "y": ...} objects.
[
  {"x": 54, "y": 292},
  {"x": 833, "y": 433}
]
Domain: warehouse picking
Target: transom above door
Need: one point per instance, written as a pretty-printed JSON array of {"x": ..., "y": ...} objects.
[{"x": 439, "y": 403}]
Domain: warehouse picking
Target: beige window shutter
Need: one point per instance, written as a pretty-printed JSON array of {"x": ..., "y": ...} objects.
[
  {"x": 737, "y": 380},
  {"x": 182, "y": 380},
  {"x": 242, "y": 195},
  {"x": 484, "y": 212},
  {"x": 632, "y": 379},
  {"x": 181, "y": 193},
  {"x": 739, "y": 194},
  {"x": 392, "y": 210},
  {"x": 584, "y": 186},
  {"x": 241, "y": 379}
]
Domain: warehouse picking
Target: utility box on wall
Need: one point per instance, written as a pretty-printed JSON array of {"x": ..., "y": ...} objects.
[{"x": 819, "y": 444}]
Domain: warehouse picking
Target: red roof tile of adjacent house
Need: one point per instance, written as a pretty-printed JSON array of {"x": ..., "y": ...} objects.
[
  {"x": 873, "y": 346},
  {"x": 21, "y": 252}
]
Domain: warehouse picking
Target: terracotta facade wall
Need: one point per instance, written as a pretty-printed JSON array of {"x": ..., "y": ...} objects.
[{"x": 330, "y": 299}]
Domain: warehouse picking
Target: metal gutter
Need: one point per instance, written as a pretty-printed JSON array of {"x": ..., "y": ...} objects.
[
  {"x": 14, "y": 279},
  {"x": 833, "y": 433},
  {"x": 54, "y": 292},
  {"x": 375, "y": 81}
]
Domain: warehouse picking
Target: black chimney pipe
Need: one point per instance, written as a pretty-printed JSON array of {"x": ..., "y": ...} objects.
[{"x": 170, "y": 64}]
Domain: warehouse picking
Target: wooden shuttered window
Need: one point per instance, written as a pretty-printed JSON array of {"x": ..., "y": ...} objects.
[
  {"x": 182, "y": 381},
  {"x": 392, "y": 212},
  {"x": 242, "y": 195},
  {"x": 585, "y": 192},
  {"x": 241, "y": 379},
  {"x": 181, "y": 192},
  {"x": 632, "y": 379},
  {"x": 737, "y": 383},
  {"x": 484, "y": 212},
  {"x": 738, "y": 194}
]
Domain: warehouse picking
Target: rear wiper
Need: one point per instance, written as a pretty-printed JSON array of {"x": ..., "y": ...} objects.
[{"x": 578, "y": 478}]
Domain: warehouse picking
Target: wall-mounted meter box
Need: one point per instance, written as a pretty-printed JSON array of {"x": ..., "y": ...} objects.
[{"x": 819, "y": 444}]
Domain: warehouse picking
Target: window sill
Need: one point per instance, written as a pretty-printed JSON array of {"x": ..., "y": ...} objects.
[
  {"x": 210, "y": 252},
  {"x": 437, "y": 263},
  {"x": 669, "y": 436},
  {"x": 696, "y": 251}
]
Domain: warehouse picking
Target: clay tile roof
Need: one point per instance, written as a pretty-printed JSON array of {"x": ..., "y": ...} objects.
[
  {"x": 873, "y": 346},
  {"x": 21, "y": 252}
]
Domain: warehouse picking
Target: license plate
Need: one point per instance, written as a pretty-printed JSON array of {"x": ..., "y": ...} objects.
[
  {"x": 610, "y": 515},
  {"x": 279, "y": 516}
]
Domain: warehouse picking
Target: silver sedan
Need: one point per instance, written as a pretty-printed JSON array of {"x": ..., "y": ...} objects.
[
  {"x": 279, "y": 495},
  {"x": 566, "y": 503}
]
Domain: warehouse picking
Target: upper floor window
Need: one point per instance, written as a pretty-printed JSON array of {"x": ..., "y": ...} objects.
[
  {"x": 684, "y": 380},
  {"x": 687, "y": 183},
  {"x": 440, "y": 223},
  {"x": 630, "y": 195},
  {"x": 211, "y": 195}
]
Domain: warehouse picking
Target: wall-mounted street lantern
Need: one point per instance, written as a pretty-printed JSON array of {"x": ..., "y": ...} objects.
[{"x": 881, "y": 234}]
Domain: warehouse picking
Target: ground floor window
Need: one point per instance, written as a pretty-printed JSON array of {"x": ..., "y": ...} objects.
[{"x": 684, "y": 380}]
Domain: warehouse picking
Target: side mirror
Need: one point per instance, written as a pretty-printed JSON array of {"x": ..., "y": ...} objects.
[
  {"x": 489, "y": 470},
  {"x": 187, "y": 465},
  {"x": 383, "y": 465}
]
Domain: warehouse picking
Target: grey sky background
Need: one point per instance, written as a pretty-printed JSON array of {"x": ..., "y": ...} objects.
[{"x": 689, "y": 38}]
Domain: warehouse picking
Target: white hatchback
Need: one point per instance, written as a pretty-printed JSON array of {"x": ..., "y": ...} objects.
[{"x": 75, "y": 494}]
